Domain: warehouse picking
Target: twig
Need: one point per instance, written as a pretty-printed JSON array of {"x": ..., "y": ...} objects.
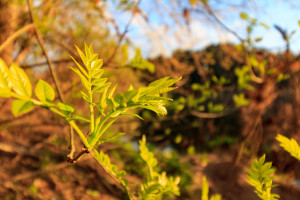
[
  {"x": 121, "y": 37},
  {"x": 212, "y": 115},
  {"x": 211, "y": 12},
  {"x": 72, "y": 144},
  {"x": 40, "y": 64},
  {"x": 80, "y": 154},
  {"x": 15, "y": 35},
  {"x": 51, "y": 68},
  {"x": 41, "y": 43}
]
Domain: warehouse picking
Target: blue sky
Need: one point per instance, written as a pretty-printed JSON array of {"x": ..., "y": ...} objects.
[{"x": 163, "y": 34}]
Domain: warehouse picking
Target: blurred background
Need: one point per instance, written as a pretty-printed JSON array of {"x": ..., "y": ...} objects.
[{"x": 240, "y": 67}]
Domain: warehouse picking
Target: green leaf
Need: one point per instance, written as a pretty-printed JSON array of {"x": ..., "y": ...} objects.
[
  {"x": 4, "y": 77},
  {"x": 21, "y": 106},
  {"x": 111, "y": 92},
  {"x": 83, "y": 79},
  {"x": 244, "y": 16},
  {"x": 44, "y": 91},
  {"x": 65, "y": 108},
  {"x": 132, "y": 114},
  {"x": 240, "y": 100},
  {"x": 4, "y": 93},
  {"x": 205, "y": 189},
  {"x": 101, "y": 88},
  {"x": 80, "y": 67},
  {"x": 75, "y": 117},
  {"x": 260, "y": 177},
  {"x": 264, "y": 25},
  {"x": 20, "y": 81},
  {"x": 132, "y": 95},
  {"x": 82, "y": 56},
  {"x": 157, "y": 186},
  {"x": 290, "y": 145},
  {"x": 112, "y": 169},
  {"x": 146, "y": 155},
  {"x": 101, "y": 141}
]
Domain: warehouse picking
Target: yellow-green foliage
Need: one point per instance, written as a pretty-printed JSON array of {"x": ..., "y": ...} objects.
[
  {"x": 260, "y": 176},
  {"x": 104, "y": 111},
  {"x": 290, "y": 145},
  {"x": 158, "y": 185},
  {"x": 205, "y": 191}
]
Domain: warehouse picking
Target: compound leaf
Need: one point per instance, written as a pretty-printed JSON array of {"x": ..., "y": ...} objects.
[{"x": 290, "y": 145}]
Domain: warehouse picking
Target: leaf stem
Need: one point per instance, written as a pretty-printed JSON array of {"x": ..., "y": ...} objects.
[
  {"x": 81, "y": 135},
  {"x": 98, "y": 131},
  {"x": 74, "y": 126},
  {"x": 92, "y": 123}
]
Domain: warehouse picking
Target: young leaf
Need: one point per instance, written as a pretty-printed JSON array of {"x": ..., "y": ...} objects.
[
  {"x": 20, "y": 81},
  {"x": 83, "y": 79},
  {"x": 101, "y": 141},
  {"x": 44, "y": 91},
  {"x": 82, "y": 56},
  {"x": 112, "y": 169},
  {"x": 147, "y": 156},
  {"x": 65, "y": 108},
  {"x": 158, "y": 186},
  {"x": 290, "y": 145},
  {"x": 132, "y": 114},
  {"x": 244, "y": 16},
  {"x": 5, "y": 93},
  {"x": 80, "y": 67},
  {"x": 4, "y": 77},
  {"x": 260, "y": 177},
  {"x": 240, "y": 100},
  {"x": 19, "y": 107}
]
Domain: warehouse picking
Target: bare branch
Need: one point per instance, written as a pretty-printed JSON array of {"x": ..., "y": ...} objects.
[
  {"x": 41, "y": 43},
  {"x": 121, "y": 37},
  {"x": 15, "y": 35}
]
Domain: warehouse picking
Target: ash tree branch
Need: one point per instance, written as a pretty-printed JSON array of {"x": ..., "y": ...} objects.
[
  {"x": 41, "y": 43},
  {"x": 15, "y": 35},
  {"x": 51, "y": 68},
  {"x": 122, "y": 36}
]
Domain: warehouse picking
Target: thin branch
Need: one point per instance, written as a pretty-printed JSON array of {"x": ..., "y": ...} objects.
[
  {"x": 51, "y": 68},
  {"x": 41, "y": 64},
  {"x": 41, "y": 43},
  {"x": 80, "y": 154},
  {"x": 212, "y": 115},
  {"x": 15, "y": 35},
  {"x": 72, "y": 144},
  {"x": 121, "y": 37},
  {"x": 211, "y": 12}
]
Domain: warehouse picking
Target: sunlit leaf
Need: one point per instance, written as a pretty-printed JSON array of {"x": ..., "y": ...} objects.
[
  {"x": 83, "y": 79},
  {"x": 65, "y": 108},
  {"x": 5, "y": 93},
  {"x": 290, "y": 145},
  {"x": 264, "y": 25},
  {"x": 20, "y": 81},
  {"x": 101, "y": 141},
  {"x": 244, "y": 16},
  {"x": 19, "y": 106},
  {"x": 4, "y": 76},
  {"x": 44, "y": 91},
  {"x": 260, "y": 177}
]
